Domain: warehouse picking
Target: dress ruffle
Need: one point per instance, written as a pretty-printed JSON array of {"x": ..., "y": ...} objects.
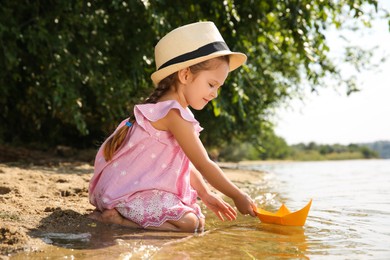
[{"x": 155, "y": 112}]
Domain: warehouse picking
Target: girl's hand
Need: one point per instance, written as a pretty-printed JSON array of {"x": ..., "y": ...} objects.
[
  {"x": 219, "y": 207},
  {"x": 245, "y": 204}
]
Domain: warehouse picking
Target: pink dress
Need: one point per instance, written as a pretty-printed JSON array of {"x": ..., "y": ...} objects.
[{"x": 148, "y": 179}]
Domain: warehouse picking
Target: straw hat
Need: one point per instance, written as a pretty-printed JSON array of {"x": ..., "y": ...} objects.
[{"x": 189, "y": 45}]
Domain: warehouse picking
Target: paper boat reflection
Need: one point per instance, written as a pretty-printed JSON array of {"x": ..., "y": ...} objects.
[{"x": 284, "y": 217}]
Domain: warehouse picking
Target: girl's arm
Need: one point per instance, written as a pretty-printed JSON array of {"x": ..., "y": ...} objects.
[
  {"x": 185, "y": 135},
  {"x": 211, "y": 200}
]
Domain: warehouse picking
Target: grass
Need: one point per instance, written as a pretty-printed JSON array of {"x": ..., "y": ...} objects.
[{"x": 316, "y": 156}]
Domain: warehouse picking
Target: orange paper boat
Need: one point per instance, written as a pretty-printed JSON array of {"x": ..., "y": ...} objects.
[{"x": 284, "y": 217}]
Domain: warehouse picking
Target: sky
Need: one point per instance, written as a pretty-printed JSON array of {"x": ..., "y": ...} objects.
[{"x": 330, "y": 116}]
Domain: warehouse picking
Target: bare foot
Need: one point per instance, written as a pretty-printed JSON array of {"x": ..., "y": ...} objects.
[
  {"x": 95, "y": 215},
  {"x": 112, "y": 216}
]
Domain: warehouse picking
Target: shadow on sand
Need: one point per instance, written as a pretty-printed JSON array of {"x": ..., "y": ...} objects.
[{"x": 70, "y": 229}]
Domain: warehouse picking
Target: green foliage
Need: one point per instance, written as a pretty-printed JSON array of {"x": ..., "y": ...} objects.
[
  {"x": 237, "y": 151},
  {"x": 381, "y": 147},
  {"x": 272, "y": 147},
  {"x": 71, "y": 70},
  {"x": 275, "y": 148},
  {"x": 317, "y": 152}
]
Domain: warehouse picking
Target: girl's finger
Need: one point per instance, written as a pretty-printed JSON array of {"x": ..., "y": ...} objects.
[
  {"x": 219, "y": 214},
  {"x": 230, "y": 212},
  {"x": 230, "y": 216}
]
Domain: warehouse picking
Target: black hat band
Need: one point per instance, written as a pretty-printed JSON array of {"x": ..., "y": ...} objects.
[{"x": 200, "y": 52}]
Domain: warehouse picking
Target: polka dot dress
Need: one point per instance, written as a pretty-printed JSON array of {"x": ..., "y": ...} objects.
[{"x": 148, "y": 179}]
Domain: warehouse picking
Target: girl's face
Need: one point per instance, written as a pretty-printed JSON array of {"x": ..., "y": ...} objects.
[{"x": 203, "y": 87}]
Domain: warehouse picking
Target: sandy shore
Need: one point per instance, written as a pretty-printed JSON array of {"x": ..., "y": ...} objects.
[{"x": 53, "y": 197}]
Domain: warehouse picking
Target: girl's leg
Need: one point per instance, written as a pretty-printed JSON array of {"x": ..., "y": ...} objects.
[
  {"x": 188, "y": 223},
  {"x": 112, "y": 216}
]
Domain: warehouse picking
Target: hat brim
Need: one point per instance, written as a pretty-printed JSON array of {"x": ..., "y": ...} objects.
[{"x": 236, "y": 59}]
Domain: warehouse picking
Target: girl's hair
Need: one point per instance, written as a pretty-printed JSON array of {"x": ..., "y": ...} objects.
[{"x": 115, "y": 142}]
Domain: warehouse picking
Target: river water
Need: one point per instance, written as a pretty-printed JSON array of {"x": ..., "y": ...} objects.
[
  {"x": 350, "y": 214},
  {"x": 349, "y": 219}
]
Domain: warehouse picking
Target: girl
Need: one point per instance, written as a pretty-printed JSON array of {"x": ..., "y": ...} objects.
[{"x": 150, "y": 171}]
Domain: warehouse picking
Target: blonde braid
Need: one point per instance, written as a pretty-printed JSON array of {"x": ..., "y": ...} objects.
[{"x": 115, "y": 142}]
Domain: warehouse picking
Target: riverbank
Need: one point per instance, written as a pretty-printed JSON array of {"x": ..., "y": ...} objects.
[{"x": 52, "y": 198}]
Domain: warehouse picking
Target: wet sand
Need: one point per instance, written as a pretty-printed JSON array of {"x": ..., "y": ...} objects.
[{"x": 49, "y": 195}]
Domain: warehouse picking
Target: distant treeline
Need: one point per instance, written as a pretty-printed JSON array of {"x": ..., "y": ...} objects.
[
  {"x": 381, "y": 147},
  {"x": 280, "y": 150},
  {"x": 313, "y": 151}
]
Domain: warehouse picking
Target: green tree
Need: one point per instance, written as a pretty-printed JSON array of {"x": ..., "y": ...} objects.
[
  {"x": 368, "y": 153},
  {"x": 70, "y": 70},
  {"x": 271, "y": 147},
  {"x": 313, "y": 151}
]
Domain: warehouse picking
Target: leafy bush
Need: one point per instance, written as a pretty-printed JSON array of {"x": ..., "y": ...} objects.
[{"x": 71, "y": 70}]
